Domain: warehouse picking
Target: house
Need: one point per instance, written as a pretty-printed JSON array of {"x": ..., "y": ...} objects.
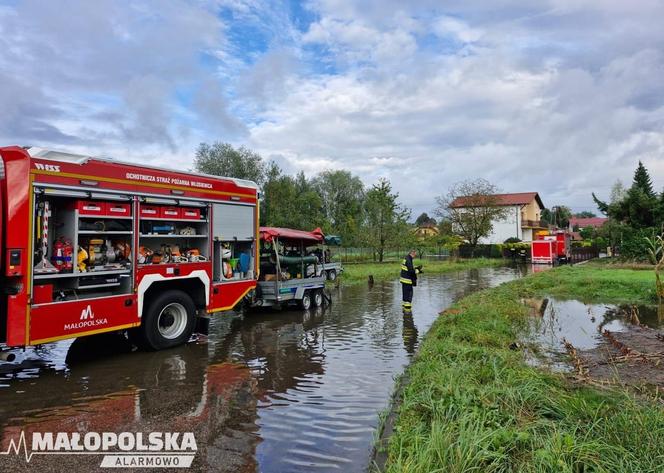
[
  {"x": 582, "y": 223},
  {"x": 522, "y": 221},
  {"x": 426, "y": 231}
]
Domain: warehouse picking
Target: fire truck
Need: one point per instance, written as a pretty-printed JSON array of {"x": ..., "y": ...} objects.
[
  {"x": 551, "y": 247},
  {"x": 91, "y": 245}
]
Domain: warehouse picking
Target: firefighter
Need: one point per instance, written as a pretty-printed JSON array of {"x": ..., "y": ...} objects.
[{"x": 408, "y": 280}]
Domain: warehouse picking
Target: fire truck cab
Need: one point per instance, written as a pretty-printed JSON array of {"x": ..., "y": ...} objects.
[{"x": 91, "y": 245}]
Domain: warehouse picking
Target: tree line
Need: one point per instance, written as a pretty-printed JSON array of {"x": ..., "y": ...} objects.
[{"x": 335, "y": 200}]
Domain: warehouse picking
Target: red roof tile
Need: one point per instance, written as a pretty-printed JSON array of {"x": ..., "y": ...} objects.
[
  {"x": 587, "y": 222},
  {"x": 520, "y": 198}
]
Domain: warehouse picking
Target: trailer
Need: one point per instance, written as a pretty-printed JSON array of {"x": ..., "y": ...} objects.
[
  {"x": 551, "y": 247},
  {"x": 290, "y": 270},
  {"x": 331, "y": 269},
  {"x": 91, "y": 245}
]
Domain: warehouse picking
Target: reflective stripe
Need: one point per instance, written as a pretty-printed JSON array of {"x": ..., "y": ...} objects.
[
  {"x": 407, "y": 304},
  {"x": 405, "y": 281},
  {"x": 404, "y": 267}
]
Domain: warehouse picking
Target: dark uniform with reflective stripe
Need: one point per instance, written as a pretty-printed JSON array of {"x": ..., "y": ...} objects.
[{"x": 408, "y": 280}]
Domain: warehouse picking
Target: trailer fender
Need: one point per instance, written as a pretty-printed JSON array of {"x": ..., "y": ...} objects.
[
  {"x": 299, "y": 293},
  {"x": 150, "y": 279}
]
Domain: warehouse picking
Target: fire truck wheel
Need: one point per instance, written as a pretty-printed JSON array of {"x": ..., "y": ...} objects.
[
  {"x": 331, "y": 275},
  {"x": 305, "y": 303},
  {"x": 168, "y": 320},
  {"x": 318, "y": 298}
]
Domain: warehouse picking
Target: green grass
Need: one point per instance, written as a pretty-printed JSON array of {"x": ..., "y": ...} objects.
[
  {"x": 593, "y": 283},
  {"x": 472, "y": 404},
  {"x": 355, "y": 273}
]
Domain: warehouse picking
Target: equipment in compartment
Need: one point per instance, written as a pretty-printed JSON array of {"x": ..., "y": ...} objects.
[
  {"x": 98, "y": 254},
  {"x": 62, "y": 255},
  {"x": 151, "y": 227},
  {"x": 42, "y": 293},
  {"x": 44, "y": 266}
]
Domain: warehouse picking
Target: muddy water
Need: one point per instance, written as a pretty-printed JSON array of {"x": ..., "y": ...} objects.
[
  {"x": 277, "y": 391},
  {"x": 556, "y": 321}
]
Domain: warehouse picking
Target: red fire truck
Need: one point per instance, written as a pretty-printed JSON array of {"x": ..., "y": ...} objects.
[
  {"x": 550, "y": 248},
  {"x": 91, "y": 245}
]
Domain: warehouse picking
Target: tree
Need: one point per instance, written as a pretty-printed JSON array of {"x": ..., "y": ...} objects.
[
  {"x": 638, "y": 207},
  {"x": 424, "y": 220},
  {"x": 642, "y": 180},
  {"x": 385, "y": 218},
  {"x": 560, "y": 215},
  {"x": 222, "y": 159},
  {"x": 585, "y": 214},
  {"x": 471, "y": 207},
  {"x": 342, "y": 196}
]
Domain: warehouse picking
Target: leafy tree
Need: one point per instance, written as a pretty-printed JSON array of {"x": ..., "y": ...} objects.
[
  {"x": 585, "y": 214},
  {"x": 385, "y": 218},
  {"x": 471, "y": 207},
  {"x": 618, "y": 192},
  {"x": 587, "y": 233},
  {"x": 222, "y": 159},
  {"x": 424, "y": 219},
  {"x": 342, "y": 197},
  {"x": 558, "y": 215}
]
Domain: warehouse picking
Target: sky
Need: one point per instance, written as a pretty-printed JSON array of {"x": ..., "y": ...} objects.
[{"x": 561, "y": 97}]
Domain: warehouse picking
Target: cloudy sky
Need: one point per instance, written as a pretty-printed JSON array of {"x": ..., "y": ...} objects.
[{"x": 562, "y": 97}]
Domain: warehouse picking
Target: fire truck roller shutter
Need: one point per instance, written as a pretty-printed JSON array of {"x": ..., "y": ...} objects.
[{"x": 234, "y": 222}]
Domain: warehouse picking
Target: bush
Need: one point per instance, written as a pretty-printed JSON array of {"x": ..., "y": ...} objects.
[{"x": 633, "y": 243}]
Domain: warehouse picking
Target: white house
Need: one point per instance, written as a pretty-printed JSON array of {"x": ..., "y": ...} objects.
[{"x": 522, "y": 221}]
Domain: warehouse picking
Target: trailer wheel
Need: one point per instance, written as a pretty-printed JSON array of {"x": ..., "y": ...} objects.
[
  {"x": 318, "y": 298},
  {"x": 332, "y": 275},
  {"x": 305, "y": 303},
  {"x": 168, "y": 320}
]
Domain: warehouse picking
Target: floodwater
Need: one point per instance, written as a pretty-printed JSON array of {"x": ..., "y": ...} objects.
[
  {"x": 274, "y": 392},
  {"x": 556, "y": 321}
]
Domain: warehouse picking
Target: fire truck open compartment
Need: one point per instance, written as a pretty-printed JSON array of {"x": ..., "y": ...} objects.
[
  {"x": 234, "y": 233},
  {"x": 81, "y": 252}
]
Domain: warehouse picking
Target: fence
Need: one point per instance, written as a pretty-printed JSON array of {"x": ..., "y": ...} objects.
[
  {"x": 583, "y": 253},
  {"x": 365, "y": 255},
  {"x": 515, "y": 252}
]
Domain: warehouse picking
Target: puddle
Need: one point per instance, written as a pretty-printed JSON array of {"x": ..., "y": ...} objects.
[{"x": 617, "y": 343}]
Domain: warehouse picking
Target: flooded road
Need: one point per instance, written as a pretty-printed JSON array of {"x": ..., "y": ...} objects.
[{"x": 274, "y": 392}]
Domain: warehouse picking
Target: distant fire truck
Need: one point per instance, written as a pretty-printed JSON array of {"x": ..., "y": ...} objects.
[
  {"x": 551, "y": 247},
  {"x": 91, "y": 245}
]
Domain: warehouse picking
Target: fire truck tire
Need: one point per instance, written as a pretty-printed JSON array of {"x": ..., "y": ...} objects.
[
  {"x": 168, "y": 321},
  {"x": 318, "y": 298},
  {"x": 305, "y": 303},
  {"x": 332, "y": 275}
]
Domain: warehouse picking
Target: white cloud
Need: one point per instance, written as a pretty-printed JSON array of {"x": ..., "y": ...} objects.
[{"x": 560, "y": 97}]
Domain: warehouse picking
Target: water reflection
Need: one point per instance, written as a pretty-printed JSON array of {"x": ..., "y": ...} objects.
[
  {"x": 274, "y": 391},
  {"x": 409, "y": 333},
  {"x": 582, "y": 324}
]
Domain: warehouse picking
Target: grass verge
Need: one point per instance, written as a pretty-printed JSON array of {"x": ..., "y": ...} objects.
[
  {"x": 360, "y": 272},
  {"x": 472, "y": 404}
]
